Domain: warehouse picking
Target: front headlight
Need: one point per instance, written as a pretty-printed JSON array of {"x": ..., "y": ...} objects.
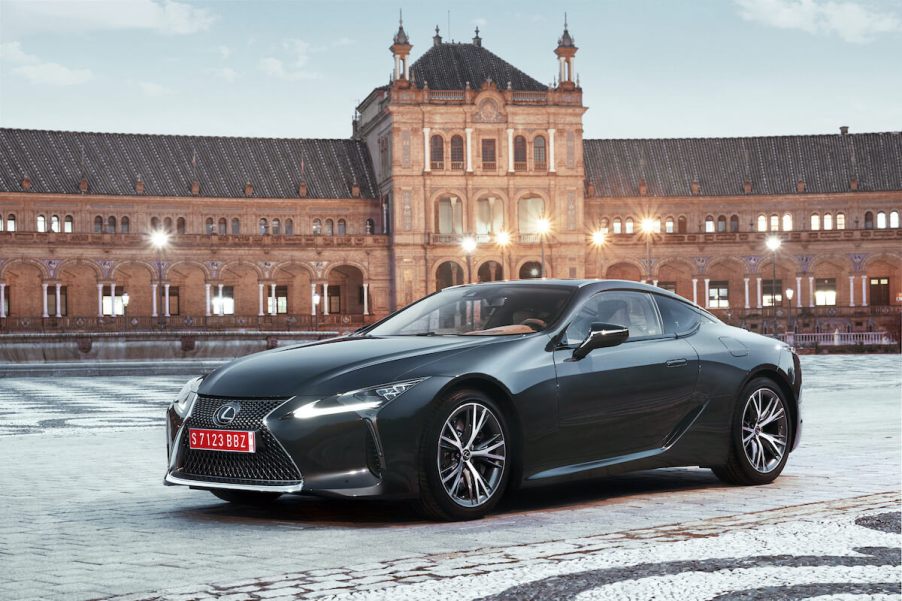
[
  {"x": 363, "y": 400},
  {"x": 186, "y": 397}
]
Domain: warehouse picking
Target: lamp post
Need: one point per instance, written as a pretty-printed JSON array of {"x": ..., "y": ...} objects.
[
  {"x": 468, "y": 244},
  {"x": 599, "y": 237},
  {"x": 648, "y": 228},
  {"x": 503, "y": 240},
  {"x": 773, "y": 244},
  {"x": 159, "y": 239},
  {"x": 316, "y": 299},
  {"x": 543, "y": 226},
  {"x": 789, "y": 294}
]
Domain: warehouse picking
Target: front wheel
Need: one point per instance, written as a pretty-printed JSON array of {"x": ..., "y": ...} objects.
[
  {"x": 761, "y": 435},
  {"x": 464, "y": 457},
  {"x": 246, "y": 497}
]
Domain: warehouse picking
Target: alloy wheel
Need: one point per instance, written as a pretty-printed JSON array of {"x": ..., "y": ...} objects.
[
  {"x": 764, "y": 430},
  {"x": 471, "y": 454}
]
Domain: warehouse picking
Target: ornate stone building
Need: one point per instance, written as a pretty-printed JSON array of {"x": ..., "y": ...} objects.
[{"x": 459, "y": 145}]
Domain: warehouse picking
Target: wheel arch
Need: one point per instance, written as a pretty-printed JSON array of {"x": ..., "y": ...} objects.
[{"x": 773, "y": 373}]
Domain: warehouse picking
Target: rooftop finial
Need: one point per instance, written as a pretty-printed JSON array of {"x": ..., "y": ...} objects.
[
  {"x": 401, "y": 36},
  {"x": 437, "y": 38},
  {"x": 477, "y": 41},
  {"x": 566, "y": 40}
]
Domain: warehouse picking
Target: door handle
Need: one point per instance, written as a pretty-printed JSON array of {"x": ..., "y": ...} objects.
[{"x": 676, "y": 363}]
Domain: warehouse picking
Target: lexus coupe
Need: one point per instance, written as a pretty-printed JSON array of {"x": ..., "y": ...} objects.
[{"x": 484, "y": 388}]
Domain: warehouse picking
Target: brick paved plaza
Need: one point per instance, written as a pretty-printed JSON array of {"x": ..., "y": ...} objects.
[{"x": 84, "y": 515}]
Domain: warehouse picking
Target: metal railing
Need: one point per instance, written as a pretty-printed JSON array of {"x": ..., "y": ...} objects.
[
  {"x": 146, "y": 323},
  {"x": 836, "y": 339}
]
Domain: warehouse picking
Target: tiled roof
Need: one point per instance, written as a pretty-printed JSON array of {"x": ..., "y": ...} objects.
[
  {"x": 54, "y": 161},
  {"x": 773, "y": 164},
  {"x": 449, "y": 66}
]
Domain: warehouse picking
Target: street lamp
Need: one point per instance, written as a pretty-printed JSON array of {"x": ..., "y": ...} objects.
[
  {"x": 543, "y": 226},
  {"x": 773, "y": 244},
  {"x": 316, "y": 299},
  {"x": 648, "y": 228},
  {"x": 159, "y": 239},
  {"x": 503, "y": 240},
  {"x": 599, "y": 237},
  {"x": 468, "y": 244},
  {"x": 789, "y": 293}
]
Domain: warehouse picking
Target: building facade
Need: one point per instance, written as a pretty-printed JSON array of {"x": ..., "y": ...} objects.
[{"x": 459, "y": 146}]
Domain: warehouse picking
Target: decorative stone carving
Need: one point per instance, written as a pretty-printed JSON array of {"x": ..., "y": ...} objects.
[
  {"x": 319, "y": 267},
  {"x": 488, "y": 112},
  {"x": 406, "y": 211},
  {"x": 805, "y": 262},
  {"x": 752, "y": 262},
  {"x": 701, "y": 264},
  {"x": 858, "y": 260},
  {"x": 571, "y": 210},
  {"x": 405, "y": 149},
  {"x": 52, "y": 266}
]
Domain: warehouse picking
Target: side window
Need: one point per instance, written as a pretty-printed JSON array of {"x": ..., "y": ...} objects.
[
  {"x": 634, "y": 310},
  {"x": 678, "y": 317}
]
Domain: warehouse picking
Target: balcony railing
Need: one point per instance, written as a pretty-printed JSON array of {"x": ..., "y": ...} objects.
[{"x": 197, "y": 240}]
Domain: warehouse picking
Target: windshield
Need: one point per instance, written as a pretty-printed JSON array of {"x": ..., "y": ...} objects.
[{"x": 484, "y": 310}]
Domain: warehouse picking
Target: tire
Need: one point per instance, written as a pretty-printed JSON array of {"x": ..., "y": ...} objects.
[
  {"x": 761, "y": 422},
  {"x": 458, "y": 457},
  {"x": 247, "y": 497}
]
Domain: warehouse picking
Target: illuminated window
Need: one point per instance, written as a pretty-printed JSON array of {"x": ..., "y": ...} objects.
[
  {"x": 42, "y": 223},
  {"x": 629, "y": 225},
  {"x": 762, "y": 223},
  {"x": 825, "y": 292},
  {"x": 815, "y": 222},
  {"x": 881, "y": 220},
  {"x": 787, "y": 222},
  {"x": 668, "y": 225},
  {"x": 226, "y": 301},
  {"x": 618, "y": 225},
  {"x": 828, "y": 221},
  {"x": 68, "y": 224},
  {"x": 840, "y": 221}
]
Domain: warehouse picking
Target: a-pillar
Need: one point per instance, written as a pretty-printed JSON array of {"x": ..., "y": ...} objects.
[
  {"x": 427, "y": 158},
  {"x": 551, "y": 150},
  {"x": 864, "y": 290},
  {"x": 851, "y": 290},
  {"x": 59, "y": 298},
  {"x": 366, "y": 299},
  {"x": 695, "y": 290},
  {"x": 153, "y": 299},
  {"x": 206, "y": 296},
  {"x": 325, "y": 299},
  {"x": 44, "y": 313},
  {"x": 260, "y": 312},
  {"x": 746, "y": 281},
  {"x": 166, "y": 311},
  {"x": 99, "y": 300}
]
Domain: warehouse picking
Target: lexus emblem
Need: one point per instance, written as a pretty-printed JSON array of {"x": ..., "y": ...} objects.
[{"x": 226, "y": 414}]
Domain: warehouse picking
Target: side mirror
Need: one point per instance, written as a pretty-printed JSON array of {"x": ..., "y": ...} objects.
[{"x": 602, "y": 335}]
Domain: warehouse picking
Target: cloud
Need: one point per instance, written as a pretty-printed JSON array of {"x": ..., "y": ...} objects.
[
  {"x": 226, "y": 73},
  {"x": 224, "y": 51},
  {"x": 39, "y": 71},
  {"x": 161, "y": 16},
  {"x": 154, "y": 90},
  {"x": 292, "y": 68},
  {"x": 852, "y": 21}
]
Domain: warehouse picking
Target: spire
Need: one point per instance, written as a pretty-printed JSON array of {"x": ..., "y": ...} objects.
[
  {"x": 401, "y": 36},
  {"x": 566, "y": 52},
  {"x": 477, "y": 41},
  {"x": 400, "y": 50},
  {"x": 436, "y": 39},
  {"x": 566, "y": 40}
]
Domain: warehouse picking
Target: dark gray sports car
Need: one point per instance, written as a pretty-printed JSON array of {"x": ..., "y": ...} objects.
[{"x": 483, "y": 388}]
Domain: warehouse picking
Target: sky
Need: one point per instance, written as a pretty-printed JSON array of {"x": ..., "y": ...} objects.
[{"x": 648, "y": 68}]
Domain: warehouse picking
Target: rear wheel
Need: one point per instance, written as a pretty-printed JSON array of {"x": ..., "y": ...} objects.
[
  {"x": 464, "y": 457},
  {"x": 246, "y": 497},
  {"x": 760, "y": 433}
]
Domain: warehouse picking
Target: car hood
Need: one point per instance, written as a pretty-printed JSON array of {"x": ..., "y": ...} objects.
[{"x": 332, "y": 366}]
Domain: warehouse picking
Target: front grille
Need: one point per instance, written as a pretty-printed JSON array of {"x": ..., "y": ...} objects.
[{"x": 270, "y": 465}]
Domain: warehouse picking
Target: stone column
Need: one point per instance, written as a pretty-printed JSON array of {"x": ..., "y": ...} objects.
[
  {"x": 59, "y": 298},
  {"x": 758, "y": 282},
  {"x": 206, "y": 295},
  {"x": 44, "y": 312},
  {"x": 366, "y": 300},
  {"x": 551, "y": 150},
  {"x": 426, "y": 153},
  {"x": 799, "y": 291},
  {"x": 695, "y": 290},
  {"x": 851, "y": 290},
  {"x": 312, "y": 302},
  {"x": 510, "y": 150},
  {"x": 2, "y": 300},
  {"x": 561, "y": 69},
  {"x": 469, "y": 132},
  {"x": 113, "y": 299},
  {"x": 153, "y": 299},
  {"x": 274, "y": 309},
  {"x": 707, "y": 282},
  {"x": 746, "y": 280},
  {"x": 810, "y": 290},
  {"x": 99, "y": 300},
  {"x": 864, "y": 290},
  {"x": 260, "y": 299},
  {"x": 166, "y": 311},
  {"x": 221, "y": 300},
  {"x": 325, "y": 299}
]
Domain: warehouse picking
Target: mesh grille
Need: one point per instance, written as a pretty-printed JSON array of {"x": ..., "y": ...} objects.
[
  {"x": 270, "y": 465},
  {"x": 372, "y": 454}
]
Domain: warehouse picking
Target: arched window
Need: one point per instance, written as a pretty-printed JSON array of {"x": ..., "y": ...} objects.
[
  {"x": 98, "y": 224},
  {"x": 11, "y": 223},
  {"x": 457, "y": 152},
  {"x": 540, "y": 163},
  {"x": 276, "y": 227},
  {"x": 262, "y": 226},
  {"x": 775, "y": 223},
  {"x": 681, "y": 224},
  {"x": 657, "y": 226},
  {"x": 236, "y": 226},
  {"x": 154, "y": 223},
  {"x": 721, "y": 224},
  {"x": 629, "y": 229},
  {"x": 317, "y": 227},
  {"x": 869, "y": 221},
  {"x": 530, "y": 213},
  {"x": 828, "y": 221},
  {"x": 209, "y": 226},
  {"x": 787, "y": 222},
  {"x": 668, "y": 225},
  {"x": 54, "y": 223},
  {"x": 437, "y": 152},
  {"x": 111, "y": 225},
  {"x": 881, "y": 220},
  {"x": 42, "y": 223},
  {"x": 762, "y": 223},
  {"x": 180, "y": 226},
  {"x": 330, "y": 228},
  {"x": 167, "y": 224},
  {"x": 68, "y": 224},
  {"x": 618, "y": 225},
  {"x": 604, "y": 225},
  {"x": 734, "y": 223},
  {"x": 124, "y": 225},
  {"x": 840, "y": 221},
  {"x": 370, "y": 225},
  {"x": 519, "y": 153},
  {"x": 531, "y": 270},
  {"x": 894, "y": 219},
  {"x": 342, "y": 227},
  {"x": 489, "y": 215},
  {"x": 709, "y": 224},
  {"x": 289, "y": 226},
  {"x": 223, "y": 226},
  {"x": 815, "y": 222}
]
